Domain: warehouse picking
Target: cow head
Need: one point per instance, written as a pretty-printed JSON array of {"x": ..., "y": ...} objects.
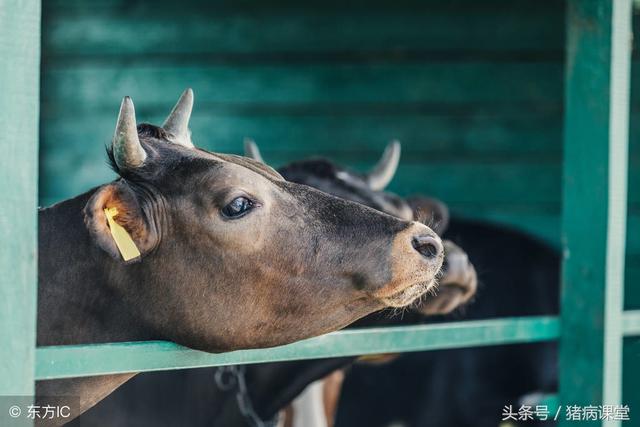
[
  {"x": 233, "y": 256},
  {"x": 458, "y": 282}
]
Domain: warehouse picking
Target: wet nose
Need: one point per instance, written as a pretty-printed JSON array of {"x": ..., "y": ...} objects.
[{"x": 429, "y": 246}]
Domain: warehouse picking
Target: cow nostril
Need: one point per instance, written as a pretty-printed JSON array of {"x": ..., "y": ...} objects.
[{"x": 428, "y": 246}]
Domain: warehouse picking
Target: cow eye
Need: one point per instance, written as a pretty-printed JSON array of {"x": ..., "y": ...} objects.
[{"x": 237, "y": 208}]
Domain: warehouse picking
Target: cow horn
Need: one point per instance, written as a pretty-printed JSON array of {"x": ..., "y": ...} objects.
[
  {"x": 127, "y": 150},
  {"x": 383, "y": 172},
  {"x": 178, "y": 120},
  {"x": 252, "y": 151}
]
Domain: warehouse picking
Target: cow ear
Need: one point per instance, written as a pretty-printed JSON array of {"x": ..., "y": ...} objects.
[
  {"x": 126, "y": 212},
  {"x": 431, "y": 212}
]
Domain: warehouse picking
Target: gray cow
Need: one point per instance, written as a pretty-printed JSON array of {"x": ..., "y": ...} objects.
[{"x": 231, "y": 255}]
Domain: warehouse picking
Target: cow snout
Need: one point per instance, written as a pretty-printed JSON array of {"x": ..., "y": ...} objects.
[
  {"x": 429, "y": 246},
  {"x": 416, "y": 259}
]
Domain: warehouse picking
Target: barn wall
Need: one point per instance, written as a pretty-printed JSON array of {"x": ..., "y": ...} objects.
[
  {"x": 473, "y": 90},
  {"x": 475, "y": 97}
]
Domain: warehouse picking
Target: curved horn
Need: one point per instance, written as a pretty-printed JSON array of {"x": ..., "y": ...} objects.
[
  {"x": 383, "y": 172},
  {"x": 252, "y": 151},
  {"x": 127, "y": 150},
  {"x": 178, "y": 120}
]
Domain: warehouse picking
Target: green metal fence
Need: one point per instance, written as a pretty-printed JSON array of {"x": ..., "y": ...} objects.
[{"x": 592, "y": 322}]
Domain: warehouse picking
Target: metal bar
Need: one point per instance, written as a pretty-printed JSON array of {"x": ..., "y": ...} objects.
[
  {"x": 49, "y": 357},
  {"x": 98, "y": 359},
  {"x": 594, "y": 200},
  {"x": 19, "y": 108},
  {"x": 631, "y": 323}
]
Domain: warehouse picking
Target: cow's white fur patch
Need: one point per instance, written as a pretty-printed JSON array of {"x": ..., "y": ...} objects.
[{"x": 308, "y": 407}]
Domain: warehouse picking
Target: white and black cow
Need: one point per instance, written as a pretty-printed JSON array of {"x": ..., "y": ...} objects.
[{"x": 518, "y": 276}]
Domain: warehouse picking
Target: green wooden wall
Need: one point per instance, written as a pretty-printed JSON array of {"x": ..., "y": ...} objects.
[{"x": 473, "y": 89}]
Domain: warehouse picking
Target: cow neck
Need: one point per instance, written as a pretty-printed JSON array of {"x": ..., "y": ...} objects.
[{"x": 76, "y": 302}]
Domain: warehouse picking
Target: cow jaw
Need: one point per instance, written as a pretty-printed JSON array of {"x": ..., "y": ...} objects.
[{"x": 408, "y": 295}]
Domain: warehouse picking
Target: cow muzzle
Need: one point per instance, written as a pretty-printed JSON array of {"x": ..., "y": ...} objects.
[{"x": 416, "y": 258}]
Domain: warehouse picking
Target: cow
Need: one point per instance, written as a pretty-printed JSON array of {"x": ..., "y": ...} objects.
[
  {"x": 253, "y": 394},
  {"x": 214, "y": 252},
  {"x": 518, "y": 275}
]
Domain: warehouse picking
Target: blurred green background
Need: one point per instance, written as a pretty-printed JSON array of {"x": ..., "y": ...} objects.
[{"x": 472, "y": 89}]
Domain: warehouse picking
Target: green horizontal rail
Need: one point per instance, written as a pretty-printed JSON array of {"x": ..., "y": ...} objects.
[
  {"x": 99, "y": 359},
  {"x": 631, "y": 323}
]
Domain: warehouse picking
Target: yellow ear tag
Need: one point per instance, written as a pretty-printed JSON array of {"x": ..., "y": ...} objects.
[{"x": 123, "y": 240}]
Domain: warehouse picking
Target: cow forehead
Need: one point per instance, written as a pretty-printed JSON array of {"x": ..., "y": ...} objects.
[
  {"x": 260, "y": 168},
  {"x": 224, "y": 173},
  {"x": 233, "y": 175},
  {"x": 220, "y": 159}
]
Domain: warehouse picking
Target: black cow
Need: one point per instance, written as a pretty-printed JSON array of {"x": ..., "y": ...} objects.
[
  {"x": 519, "y": 276},
  {"x": 467, "y": 387}
]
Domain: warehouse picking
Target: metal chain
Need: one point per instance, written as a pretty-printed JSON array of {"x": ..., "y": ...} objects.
[{"x": 228, "y": 377}]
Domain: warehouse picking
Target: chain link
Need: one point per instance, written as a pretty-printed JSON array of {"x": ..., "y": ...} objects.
[{"x": 228, "y": 377}]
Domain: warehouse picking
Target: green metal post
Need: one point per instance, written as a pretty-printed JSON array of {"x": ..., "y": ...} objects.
[
  {"x": 594, "y": 203},
  {"x": 19, "y": 106}
]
